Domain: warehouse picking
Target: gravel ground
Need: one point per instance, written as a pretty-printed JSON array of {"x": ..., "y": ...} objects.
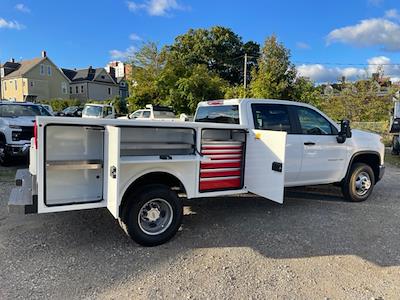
[{"x": 315, "y": 246}]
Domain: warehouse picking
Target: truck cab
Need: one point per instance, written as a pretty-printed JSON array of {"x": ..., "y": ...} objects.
[
  {"x": 98, "y": 111},
  {"x": 317, "y": 149},
  {"x": 16, "y": 128}
]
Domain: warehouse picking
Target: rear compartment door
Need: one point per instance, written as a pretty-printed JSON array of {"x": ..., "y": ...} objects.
[
  {"x": 265, "y": 164},
  {"x": 70, "y": 174},
  {"x": 112, "y": 168}
]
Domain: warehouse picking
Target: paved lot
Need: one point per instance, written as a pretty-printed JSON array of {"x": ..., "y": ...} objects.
[{"x": 314, "y": 246}]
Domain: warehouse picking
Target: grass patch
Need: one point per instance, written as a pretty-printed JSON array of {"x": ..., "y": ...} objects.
[{"x": 392, "y": 160}]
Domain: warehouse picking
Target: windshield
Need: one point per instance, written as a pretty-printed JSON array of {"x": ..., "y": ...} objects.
[
  {"x": 15, "y": 110},
  {"x": 93, "y": 111},
  {"x": 218, "y": 114},
  {"x": 159, "y": 114}
]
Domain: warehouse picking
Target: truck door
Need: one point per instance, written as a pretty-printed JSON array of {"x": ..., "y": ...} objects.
[{"x": 265, "y": 164}]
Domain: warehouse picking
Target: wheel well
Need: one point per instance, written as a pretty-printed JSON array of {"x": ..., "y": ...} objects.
[
  {"x": 152, "y": 178},
  {"x": 371, "y": 159}
]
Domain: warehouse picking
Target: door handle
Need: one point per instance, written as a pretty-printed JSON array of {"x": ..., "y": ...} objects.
[{"x": 309, "y": 143}]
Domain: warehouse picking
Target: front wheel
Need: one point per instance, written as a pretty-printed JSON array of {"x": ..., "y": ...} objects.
[
  {"x": 4, "y": 157},
  {"x": 154, "y": 215},
  {"x": 359, "y": 184}
]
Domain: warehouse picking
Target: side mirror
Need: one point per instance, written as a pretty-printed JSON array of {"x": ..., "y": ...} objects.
[{"x": 345, "y": 131}]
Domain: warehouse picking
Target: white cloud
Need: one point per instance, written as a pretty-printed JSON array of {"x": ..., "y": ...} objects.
[
  {"x": 375, "y": 2},
  {"x": 119, "y": 54},
  {"x": 392, "y": 14},
  {"x": 303, "y": 45},
  {"x": 370, "y": 32},
  {"x": 22, "y": 8},
  {"x": 320, "y": 73},
  {"x": 10, "y": 24},
  {"x": 134, "y": 37},
  {"x": 155, "y": 7}
]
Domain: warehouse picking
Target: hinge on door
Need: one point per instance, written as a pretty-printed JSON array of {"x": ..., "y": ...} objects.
[
  {"x": 113, "y": 172},
  {"x": 277, "y": 166}
]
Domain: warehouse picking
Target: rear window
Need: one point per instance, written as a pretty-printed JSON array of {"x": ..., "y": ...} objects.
[{"x": 218, "y": 114}]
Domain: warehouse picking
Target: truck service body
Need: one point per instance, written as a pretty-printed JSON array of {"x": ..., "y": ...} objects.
[{"x": 141, "y": 171}]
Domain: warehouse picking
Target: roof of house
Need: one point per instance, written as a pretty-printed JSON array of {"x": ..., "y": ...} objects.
[
  {"x": 89, "y": 74},
  {"x": 21, "y": 67}
]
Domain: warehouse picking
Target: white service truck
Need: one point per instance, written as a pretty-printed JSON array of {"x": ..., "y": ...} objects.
[{"x": 142, "y": 171}]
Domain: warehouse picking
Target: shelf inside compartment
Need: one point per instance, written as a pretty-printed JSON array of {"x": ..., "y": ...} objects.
[
  {"x": 157, "y": 159},
  {"x": 74, "y": 164}
]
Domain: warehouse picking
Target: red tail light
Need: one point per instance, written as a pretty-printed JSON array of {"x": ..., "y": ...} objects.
[{"x": 35, "y": 134}]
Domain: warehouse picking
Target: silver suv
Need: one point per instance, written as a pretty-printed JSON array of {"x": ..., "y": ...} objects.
[{"x": 16, "y": 128}]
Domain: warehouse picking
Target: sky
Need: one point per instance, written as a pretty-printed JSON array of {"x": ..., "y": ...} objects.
[{"x": 326, "y": 39}]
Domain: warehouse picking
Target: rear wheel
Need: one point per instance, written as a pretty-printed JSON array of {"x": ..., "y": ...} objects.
[
  {"x": 154, "y": 215},
  {"x": 359, "y": 183}
]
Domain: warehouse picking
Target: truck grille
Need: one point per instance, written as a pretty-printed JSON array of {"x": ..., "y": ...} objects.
[{"x": 26, "y": 133}]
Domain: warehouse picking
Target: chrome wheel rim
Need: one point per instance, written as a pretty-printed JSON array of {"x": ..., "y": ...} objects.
[
  {"x": 363, "y": 183},
  {"x": 155, "y": 216}
]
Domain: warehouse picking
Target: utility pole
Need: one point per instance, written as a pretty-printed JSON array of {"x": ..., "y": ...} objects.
[{"x": 245, "y": 71}]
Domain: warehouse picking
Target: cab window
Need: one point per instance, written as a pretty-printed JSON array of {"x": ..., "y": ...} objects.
[
  {"x": 271, "y": 117},
  {"x": 313, "y": 123},
  {"x": 228, "y": 114},
  {"x": 146, "y": 114}
]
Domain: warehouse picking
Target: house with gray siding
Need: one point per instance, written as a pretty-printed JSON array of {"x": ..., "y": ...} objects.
[{"x": 91, "y": 84}]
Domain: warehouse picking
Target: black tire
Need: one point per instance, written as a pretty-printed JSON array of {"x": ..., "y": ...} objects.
[
  {"x": 4, "y": 157},
  {"x": 358, "y": 192},
  {"x": 162, "y": 201},
  {"x": 395, "y": 145}
]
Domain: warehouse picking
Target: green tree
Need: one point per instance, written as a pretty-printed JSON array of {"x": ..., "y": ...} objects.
[
  {"x": 359, "y": 102},
  {"x": 275, "y": 75},
  {"x": 197, "y": 84},
  {"x": 303, "y": 90},
  {"x": 218, "y": 48},
  {"x": 147, "y": 65}
]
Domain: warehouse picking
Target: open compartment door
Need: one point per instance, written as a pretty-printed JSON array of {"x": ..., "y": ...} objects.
[
  {"x": 265, "y": 164},
  {"x": 111, "y": 170}
]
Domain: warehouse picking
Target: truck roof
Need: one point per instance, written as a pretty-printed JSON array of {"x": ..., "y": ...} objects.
[{"x": 242, "y": 101}]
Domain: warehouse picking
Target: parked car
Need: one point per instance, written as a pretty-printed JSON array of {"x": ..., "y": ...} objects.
[
  {"x": 71, "y": 111},
  {"x": 48, "y": 107},
  {"x": 155, "y": 112},
  {"x": 395, "y": 128},
  {"x": 98, "y": 111},
  {"x": 16, "y": 128}
]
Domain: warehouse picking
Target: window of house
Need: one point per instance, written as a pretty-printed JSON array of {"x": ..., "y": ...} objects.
[
  {"x": 2, "y": 72},
  {"x": 82, "y": 89},
  {"x": 109, "y": 91},
  {"x": 103, "y": 77},
  {"x": 70, "y": 89},
  {"x": 31, "y": 83},
  {"x": 41, "y": 69},
  {"x": 76, "y": 89},
  {"x": 64, "y": 88},
  {"x": 16, "y": 84},
  {"x": 49, "y": 70},
  {"x": 5, "y": 85}
]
